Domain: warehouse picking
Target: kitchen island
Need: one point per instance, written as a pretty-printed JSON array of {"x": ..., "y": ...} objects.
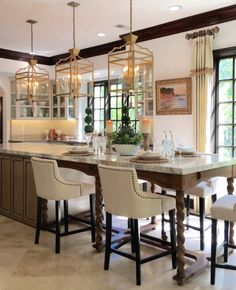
[{"x": 17, "y": 183}]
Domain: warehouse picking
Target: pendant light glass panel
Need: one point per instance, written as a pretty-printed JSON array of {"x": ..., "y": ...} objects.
[
  {"x": 74, "y": 76},
  {"x": 132, "y": 66},
  {"x": 32, "y": 81}
]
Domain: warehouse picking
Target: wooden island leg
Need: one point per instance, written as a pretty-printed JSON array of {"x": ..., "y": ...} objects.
[
  {"x": 99, "y": 216},
  {"x": 230, "y": 189},
  {"x": 180, "y": 276}
]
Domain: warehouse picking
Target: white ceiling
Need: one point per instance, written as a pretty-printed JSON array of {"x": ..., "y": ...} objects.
[{"x": 53, "y": 32}]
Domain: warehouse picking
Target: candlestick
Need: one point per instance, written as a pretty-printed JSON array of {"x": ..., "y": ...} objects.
[
  {"x": 145, "y": 141},
  {"x": 109, "y": 126},
  {"x": 145, "y": 125},
  {"x": 109, "y": 149}
]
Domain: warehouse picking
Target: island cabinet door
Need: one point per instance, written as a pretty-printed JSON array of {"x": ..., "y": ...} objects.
[
  {"x": 29, "y": 193},
  {"x": 17, "y": 187},
  {"x": 5, "y": 184}
]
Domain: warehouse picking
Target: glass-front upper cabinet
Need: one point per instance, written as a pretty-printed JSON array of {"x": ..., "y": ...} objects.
[
  {"x": 22, "y": 107},
  {"x": 63, "y": 107}
]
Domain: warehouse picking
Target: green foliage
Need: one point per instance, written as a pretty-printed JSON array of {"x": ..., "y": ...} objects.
[
  {"x": 88, "y": 120},
  {"x": 88, "y": 111},
  {"x": 88, "y": 129},
  {"x": 126, "y": 134}
]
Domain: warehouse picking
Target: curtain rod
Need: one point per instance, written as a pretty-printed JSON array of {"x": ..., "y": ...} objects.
[{"x": 200, "y": 33}]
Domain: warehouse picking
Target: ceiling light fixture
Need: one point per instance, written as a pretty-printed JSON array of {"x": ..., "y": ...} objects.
[
  {"x": 175, "y": 7},
  {"x": 74, "y": 74},
  {"x": 132, "y": 65},
  {"x": 32, "y": 82}
]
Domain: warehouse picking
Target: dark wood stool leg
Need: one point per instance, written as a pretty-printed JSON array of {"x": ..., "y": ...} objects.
[
  {"x": 202, "y": 217},
  {"x": 213, "y": 249},
  {"x": 92, "y": 216},
  {"x": 58, "y": 223},
  {"x": 39, "y": 219},
  {"x": 137, "y": 251},
  {"x": 187, "y": 211},
  {"x": 145, "y": 186},
  {"x": 163, "y": 233},
  {"x": 226, "y": 241},
  {"x": 131, "y": 222},
  {"x": 108, "y": 240},
  {"x": 66, "y": 216},
  {"x": 213, "y": 198},
  {"x": 173, "y": 238}
]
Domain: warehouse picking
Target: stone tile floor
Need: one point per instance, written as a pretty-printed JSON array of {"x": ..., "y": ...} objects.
[{"x": 24, "y": 265}]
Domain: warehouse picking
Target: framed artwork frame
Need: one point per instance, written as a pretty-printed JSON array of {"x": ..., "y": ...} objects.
[{"x": 173, "y": 97}]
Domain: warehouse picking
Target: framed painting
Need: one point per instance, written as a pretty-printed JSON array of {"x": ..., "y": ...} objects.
[{"x": 173, "y": 97}]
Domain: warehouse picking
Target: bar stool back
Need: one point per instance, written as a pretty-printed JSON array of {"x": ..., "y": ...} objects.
[
  {"x": 223, "y": 209},
  {"x": 123, "y": 197},
  {"x": 50, "y": 185}
]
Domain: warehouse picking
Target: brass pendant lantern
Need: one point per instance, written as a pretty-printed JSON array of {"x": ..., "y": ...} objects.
[
  {"x": 32, "y": 82},
  {"x": 74, "y": 74},
  {"x": 132, "y": 65}
]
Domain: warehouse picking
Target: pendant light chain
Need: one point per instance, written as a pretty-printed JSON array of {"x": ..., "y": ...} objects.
[
  {"x": 73, "y": 26},
  {"x": 32, "y": 39},
  {"x": 130, "y": 17}
]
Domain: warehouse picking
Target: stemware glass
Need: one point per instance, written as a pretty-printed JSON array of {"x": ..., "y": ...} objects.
[
  {"x": 95, "y": 144},
  {"x": 88, "y": 138}
]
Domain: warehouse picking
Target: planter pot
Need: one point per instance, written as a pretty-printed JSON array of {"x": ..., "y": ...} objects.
[{"x": 127, "y": 149}]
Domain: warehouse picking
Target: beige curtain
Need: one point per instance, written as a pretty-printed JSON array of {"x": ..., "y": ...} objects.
[{"x": 202, "y": 77}]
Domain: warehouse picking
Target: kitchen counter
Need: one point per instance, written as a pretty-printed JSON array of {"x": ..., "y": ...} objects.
[{"x": 180, "y": 166}]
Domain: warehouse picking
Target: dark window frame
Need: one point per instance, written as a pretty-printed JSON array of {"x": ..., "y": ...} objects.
[
  {"x": 107, "y": 105},
  {"x": 219, "y": 55}
]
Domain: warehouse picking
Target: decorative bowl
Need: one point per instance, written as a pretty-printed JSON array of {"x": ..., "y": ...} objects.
[{"x": 127, "y": 149}]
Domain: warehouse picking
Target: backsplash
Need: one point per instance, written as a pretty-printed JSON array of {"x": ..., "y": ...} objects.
[{"x": 33, "y": 130}]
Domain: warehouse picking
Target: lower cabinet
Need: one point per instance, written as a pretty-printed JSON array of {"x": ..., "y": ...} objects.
[{"x": 17, "y": 189}]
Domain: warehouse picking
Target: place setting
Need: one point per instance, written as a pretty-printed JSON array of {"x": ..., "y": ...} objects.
[
  {"x": 81, "y": 151},
  {"x": 149, "y": 157}
]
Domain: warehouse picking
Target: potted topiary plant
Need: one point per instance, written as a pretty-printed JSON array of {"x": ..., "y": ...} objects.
[
  {"x": 88, "y": 128},
  {"x": 126, "y": 141}
]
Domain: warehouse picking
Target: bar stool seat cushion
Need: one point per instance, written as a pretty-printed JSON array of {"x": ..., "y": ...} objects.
[
  {"x": 202, "y": 189},
  {"x": 224, "y": 208}
]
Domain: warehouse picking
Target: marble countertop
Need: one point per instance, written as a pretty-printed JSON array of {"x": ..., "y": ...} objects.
[{"x": 180, "y": 165}]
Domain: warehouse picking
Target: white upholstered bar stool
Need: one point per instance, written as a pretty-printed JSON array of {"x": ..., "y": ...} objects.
[
  {"x": 223, "y": 209},
  {"x": 123, "y": 197},
  {"x": 51, "y": 186},
  {"x": 202, "y": 190}
]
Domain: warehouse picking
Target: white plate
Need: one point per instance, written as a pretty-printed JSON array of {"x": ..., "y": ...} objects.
[
  {"x": 78, "y": 149},
  {"x": 149, "y": 155}
]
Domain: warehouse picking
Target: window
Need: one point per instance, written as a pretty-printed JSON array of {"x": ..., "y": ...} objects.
[
  {"x": 106, "y": 108},
  {"x": 99, "y": 100},
  {"x": 226, "y": 104}
]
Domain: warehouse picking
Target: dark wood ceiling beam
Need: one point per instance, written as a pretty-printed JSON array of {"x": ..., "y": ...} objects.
[
  {"x": 209, "y": 18},
  {"x": 22, "y": 56},
  {"x": 205, "y": 19}
]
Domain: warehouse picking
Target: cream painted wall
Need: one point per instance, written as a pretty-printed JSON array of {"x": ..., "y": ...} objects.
[
  {"x": 172, "y": 57},
  {"x": 35, "y": 129}
]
